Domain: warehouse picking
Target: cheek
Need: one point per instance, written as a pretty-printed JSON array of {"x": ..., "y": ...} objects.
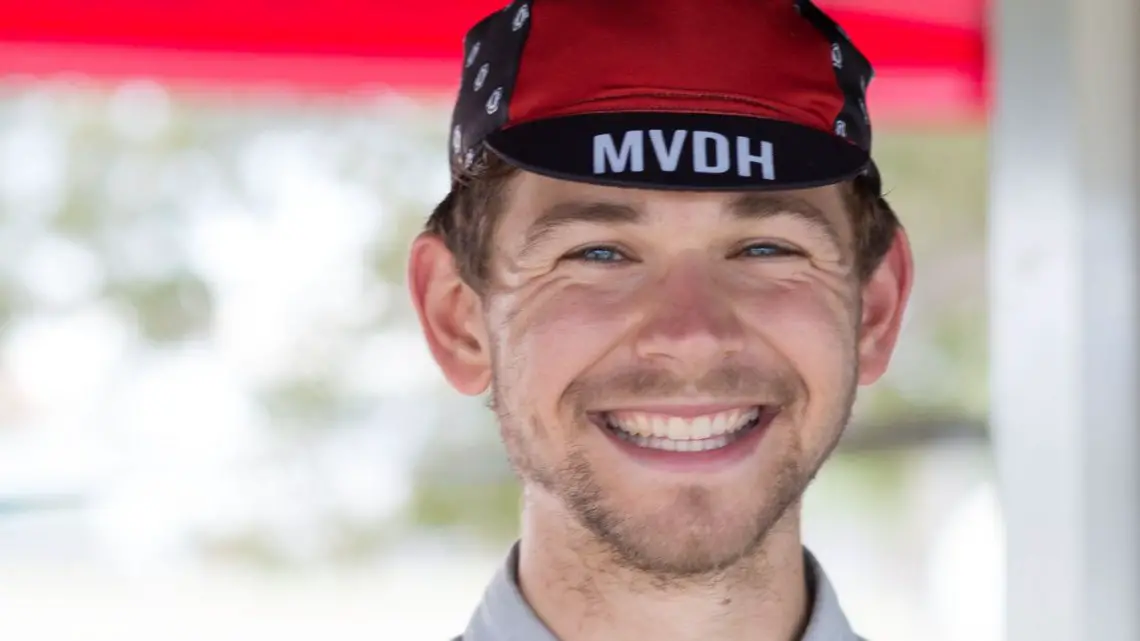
[
  {"x": 811, "y": 325},
  {"x": 553, "y": 335}
]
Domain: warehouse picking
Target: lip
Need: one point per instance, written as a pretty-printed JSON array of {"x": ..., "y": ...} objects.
[{"x": 704, "y": 462}]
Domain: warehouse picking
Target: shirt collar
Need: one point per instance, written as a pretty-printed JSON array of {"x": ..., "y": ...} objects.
[{"x": 504, "y": 614}]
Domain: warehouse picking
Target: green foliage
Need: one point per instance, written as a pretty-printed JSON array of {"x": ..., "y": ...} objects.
[
  {"x": 170, "y": 310},
  {"x": 308, "y": 403},
  {"x": 936, "y": 180},
  {"x": 877, "y": 481},
  {"x": 488, "y": 511},
  {"x": 250, "y": 549}
]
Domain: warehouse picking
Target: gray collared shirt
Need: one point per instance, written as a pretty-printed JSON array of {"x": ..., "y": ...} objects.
[{"x": 504, "y": 614}]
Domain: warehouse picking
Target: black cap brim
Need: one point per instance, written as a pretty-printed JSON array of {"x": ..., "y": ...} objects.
[{"x": 680, "y": 151}]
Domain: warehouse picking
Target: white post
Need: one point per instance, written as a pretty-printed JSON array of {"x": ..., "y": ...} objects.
[{"x": 1064, "y": 327}]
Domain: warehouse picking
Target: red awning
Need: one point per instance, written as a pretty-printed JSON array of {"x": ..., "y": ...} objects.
[{"x": 929, "y": 55}]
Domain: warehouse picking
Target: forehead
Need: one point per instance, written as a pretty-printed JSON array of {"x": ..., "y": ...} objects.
[{"x": 531, "y": 198}]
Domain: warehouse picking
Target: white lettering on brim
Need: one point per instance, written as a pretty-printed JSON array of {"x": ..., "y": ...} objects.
[{"x": 710, "y": 152}]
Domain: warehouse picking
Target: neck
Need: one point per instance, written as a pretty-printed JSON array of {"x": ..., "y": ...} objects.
[{"x": 581, "y": 594}]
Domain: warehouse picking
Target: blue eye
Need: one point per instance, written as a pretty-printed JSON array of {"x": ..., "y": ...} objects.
[
  {"x": 599, "y": 255},
  {"x": 765, "y": 250}
]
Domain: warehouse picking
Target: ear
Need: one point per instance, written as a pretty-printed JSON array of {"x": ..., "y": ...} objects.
[
  {"x": 450, "y": 314},
  {"x": 885, "y": 297}
]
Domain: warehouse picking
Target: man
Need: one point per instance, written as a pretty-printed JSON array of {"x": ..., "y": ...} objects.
[{"x": 667, "y": 256}]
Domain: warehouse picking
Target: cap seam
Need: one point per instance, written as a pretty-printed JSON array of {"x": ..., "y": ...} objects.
[
  {"x": 570, "y": 109},
  {"x": 521, "y": 59}
]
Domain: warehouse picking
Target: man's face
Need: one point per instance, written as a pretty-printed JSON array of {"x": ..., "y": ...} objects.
[{"x": 672, "y": 368}]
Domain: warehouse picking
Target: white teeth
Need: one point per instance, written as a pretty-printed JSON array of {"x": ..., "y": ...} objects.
[
  {"x": 680, "y": 434},
  {"x": 678, "y": 429},
  {"x": 702, "y": 427},
  {"x": 697, "y": 445},
  {"x": 719, "y": 424},
  {"x": 641, "y": 424}
]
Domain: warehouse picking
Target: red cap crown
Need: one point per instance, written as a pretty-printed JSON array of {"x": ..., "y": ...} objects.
[{"x": 666, "y": 93}]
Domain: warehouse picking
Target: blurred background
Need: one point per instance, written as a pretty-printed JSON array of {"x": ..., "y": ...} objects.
[{"x": 218, "y": 418}]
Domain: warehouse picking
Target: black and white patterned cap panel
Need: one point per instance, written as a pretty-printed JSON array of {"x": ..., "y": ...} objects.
[
  {"x": 492, "y": 50},
  {"x": 853, "y": 72}
]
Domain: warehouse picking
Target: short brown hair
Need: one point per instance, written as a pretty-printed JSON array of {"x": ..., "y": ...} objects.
[{"x": 467, "y": 217}]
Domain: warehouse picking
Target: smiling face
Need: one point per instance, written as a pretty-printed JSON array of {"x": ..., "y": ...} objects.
[{"x": 670, "y": 367}]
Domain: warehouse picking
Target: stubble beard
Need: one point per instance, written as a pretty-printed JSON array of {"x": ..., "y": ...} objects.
[{"x": 708, "y": 548}]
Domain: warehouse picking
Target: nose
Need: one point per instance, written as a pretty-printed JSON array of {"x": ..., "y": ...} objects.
[{"x": 690, "y": 320}]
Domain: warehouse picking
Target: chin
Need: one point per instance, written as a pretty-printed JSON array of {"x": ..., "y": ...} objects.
[
  {"x": 685, "y": 530},
  {"x": 684, "y": 546}
]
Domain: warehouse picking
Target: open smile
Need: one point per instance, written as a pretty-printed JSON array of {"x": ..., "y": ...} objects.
[
  {"x": 660, "y": 431},
  {"x": 688, "y": 439}
]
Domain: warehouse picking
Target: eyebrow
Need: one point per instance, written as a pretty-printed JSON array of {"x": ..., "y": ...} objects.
[
  {"x": 572, "y": 212},
  {"x": 760, "y": 205},
  {"x": 746, "y": 206}
]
